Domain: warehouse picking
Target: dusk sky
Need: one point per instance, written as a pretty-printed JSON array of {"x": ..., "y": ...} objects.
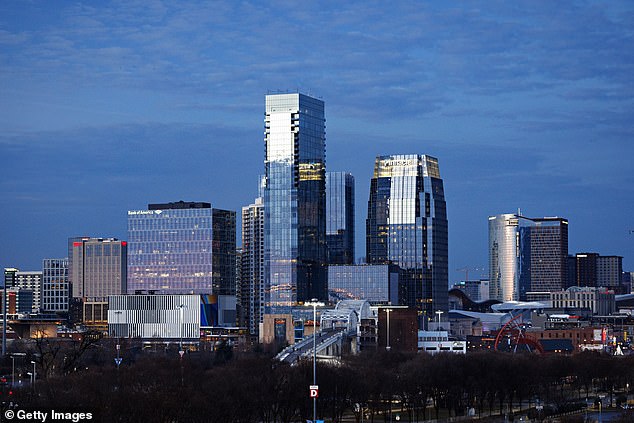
[{"x": 106, "y": 107}]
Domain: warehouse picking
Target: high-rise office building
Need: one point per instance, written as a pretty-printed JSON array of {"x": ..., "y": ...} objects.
[
  {"x": 527, "y": 256},
  {"x": 340, "y": 217},
  {"x": 594, "y": 270},
  {"x": 30, "y": 281},
  {"x": 548, "y": 254},
  {"x": 504, "y": 257},
  {"x": 609, "y": 272},
  {"x": 182, "y": 248},
  {"x": 294, "y": 201},
  {"x": 55, "y": 288},
  {"x": 99, "y": 268},
  {"x": 252, "y": 271},
  {"x": 584, "y": 266},
  {"x": 407, "y": 226}
]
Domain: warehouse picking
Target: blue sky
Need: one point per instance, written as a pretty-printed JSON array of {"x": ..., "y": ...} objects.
[{"x": 109, "y": 106}]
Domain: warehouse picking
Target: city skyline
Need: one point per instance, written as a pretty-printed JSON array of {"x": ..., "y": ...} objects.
[{"x": 108, "y": 108}]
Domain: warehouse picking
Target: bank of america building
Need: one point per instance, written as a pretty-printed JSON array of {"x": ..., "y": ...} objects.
[{"x": 181, "y": 248}]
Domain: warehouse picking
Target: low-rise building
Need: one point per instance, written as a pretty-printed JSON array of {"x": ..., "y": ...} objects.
[
  {"x": 598, "y": 300},
  {"x": 434, "y": 342}
]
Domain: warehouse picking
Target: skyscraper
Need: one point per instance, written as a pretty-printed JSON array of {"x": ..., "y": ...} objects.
[
  {"x": 340, "y": 217},
  {"x": 99, "y": 268},
  {"x": 55, "y": 291},
  {"x": 548, "y": 253},
  {"x": 182, "y": 248},
  {"x": 504, "y": 257},
  {"x": 252, "y": 279},
  {"x": 407, "y": 226},
  {"x": 294, "y": 201}
]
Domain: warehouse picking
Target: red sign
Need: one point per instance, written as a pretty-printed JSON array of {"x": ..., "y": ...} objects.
[{"x": 314, "y": 391}]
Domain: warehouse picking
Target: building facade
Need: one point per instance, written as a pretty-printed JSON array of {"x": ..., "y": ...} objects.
[
  {"x": 30, "y": 281},
  {"x": 504, "y": 257},
  {"x": 598, "y": 300},
  {"x": 99, "y": 268},
  {"x": 595, "y": 270},
  {"x": 340, "y": 217},
  {"x": 548, "y": 254},
  {"x": 585, "y": 268},
  {"x": 609, "y": 273},
  {"x": 407, "y": 226},
  {"x": 182, "y": 248},
  {"x": 160, "y": 317},
  {"x": 294, "y": 201},
  {"x": 376, "y": 283},
  {"x": 55, "y": 285},
  {"x": 252, "y": 267}
]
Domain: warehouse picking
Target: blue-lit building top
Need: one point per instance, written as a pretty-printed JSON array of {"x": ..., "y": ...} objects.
[
  {"x": 340, "y": 217},
  {"x": 181, "y": 248},
  {"x": 294, "y": 201},
  {"x": 376, "y": 283},
  {"x": 407, "y": 226}
]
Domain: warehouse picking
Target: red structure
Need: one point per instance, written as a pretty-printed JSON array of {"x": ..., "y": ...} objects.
[{"x": 515, "y": 333}]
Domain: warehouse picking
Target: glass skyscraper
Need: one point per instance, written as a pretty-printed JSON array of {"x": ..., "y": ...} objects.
[
  {"x": 407, "y": 226},
  {"x": 340, "y": 217},
  {"x": 294, "y": 201},
  {"x": 527, "y": 256},
  {"x": 504, "y": 257},
  {"x": 182, "y": 248}
]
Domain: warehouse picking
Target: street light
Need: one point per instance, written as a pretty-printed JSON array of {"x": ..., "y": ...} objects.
[
  {"x": 117, "y": 328},
  {"x": 13, "y": 366},
  {"x": 180, "y": 329},
  {"x": 439, "y": 312},
  {"x": 387, "y": 345},
  {"x": 314, "y": 303}
]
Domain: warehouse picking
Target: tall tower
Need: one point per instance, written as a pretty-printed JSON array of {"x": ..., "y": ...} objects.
[
  {"x": 294, "y": 201},
  {"x": 99, "y": 268},
  {"x": 340, "y": 217},
  {"x": 407, "y": 226},
  {"x": 548, "y": 254},
  {"x": 252, "y": 267},
  {"x": 504, "y": 257}
]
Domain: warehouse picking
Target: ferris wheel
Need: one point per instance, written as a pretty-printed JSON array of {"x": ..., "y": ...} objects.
[{"x": 512, "y": 338}]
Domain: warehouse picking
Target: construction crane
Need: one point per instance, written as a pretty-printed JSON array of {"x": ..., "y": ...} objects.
[{"x": 466, "y": 271}]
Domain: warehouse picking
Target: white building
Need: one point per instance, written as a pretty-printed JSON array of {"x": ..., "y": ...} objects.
[
  {"x": 164, "y": 317},
  {"x": 434, "y": 342}
]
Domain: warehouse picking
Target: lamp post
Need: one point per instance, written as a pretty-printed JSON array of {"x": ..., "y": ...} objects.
[
  {"x": 118, "y": 314},
  {"x": 13, "y": 366},
  {"x": 387, "y": 345},
  {"x": 181, "y": 352},
  {"x": 439, "y": 312},
  {"x": 33, "y": 375},
  {"x": 180, "y": 329},
  {"x": 314, "y": 303}
]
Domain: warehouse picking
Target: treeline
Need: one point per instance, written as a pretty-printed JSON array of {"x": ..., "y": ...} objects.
[{"x": 216, "y": 387}]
